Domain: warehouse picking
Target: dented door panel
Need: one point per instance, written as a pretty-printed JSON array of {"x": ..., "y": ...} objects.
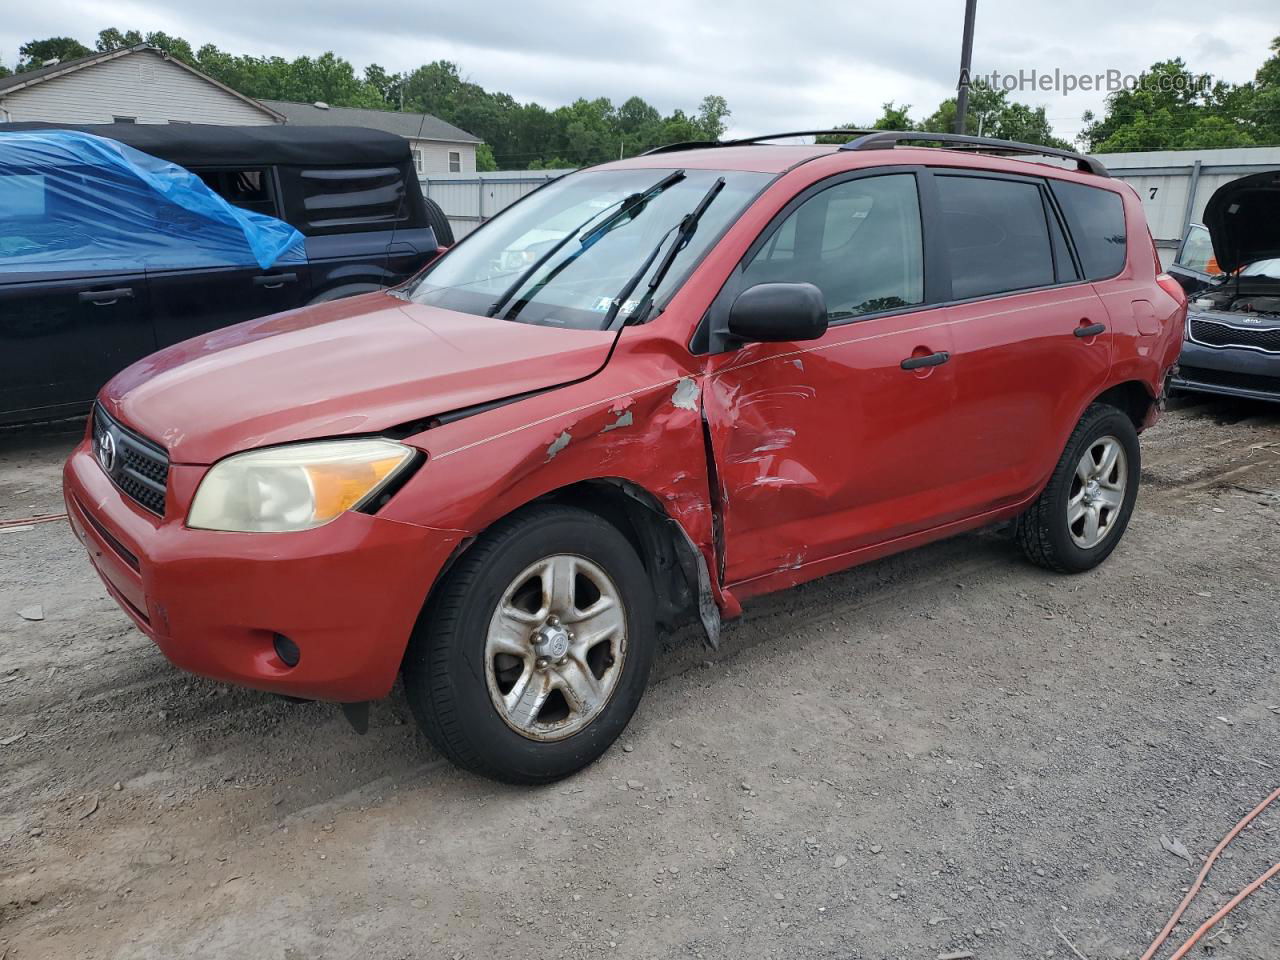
[{"x": 824, "y": 448}]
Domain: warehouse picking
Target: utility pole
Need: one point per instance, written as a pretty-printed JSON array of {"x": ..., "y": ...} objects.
[{"x": 966, "y": 61}]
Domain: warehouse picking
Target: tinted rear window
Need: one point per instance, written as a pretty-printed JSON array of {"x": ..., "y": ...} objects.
[
  {"x": 996, "y": 235},
  {"x": 1096, "y": 220},
  {"x": 364, "y": 197}
]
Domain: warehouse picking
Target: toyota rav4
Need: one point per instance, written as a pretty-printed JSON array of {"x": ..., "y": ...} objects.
[{"x": 644, "y": 394}]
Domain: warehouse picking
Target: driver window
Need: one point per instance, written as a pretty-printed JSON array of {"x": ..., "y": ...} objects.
[{"x": 858, "y": 242}]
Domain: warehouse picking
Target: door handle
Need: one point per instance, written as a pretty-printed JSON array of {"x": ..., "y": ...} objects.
[
  {"x": 1091, "y": 330},
  {"x": 929, "y": 360},
  {"x": 273, "y": 281},
  {"x": 104, "y": 298}
]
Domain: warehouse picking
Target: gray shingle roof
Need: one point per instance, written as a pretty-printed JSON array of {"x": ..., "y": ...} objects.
[
  {"x": 412, "y": 126},
  {"x": 28, "y": 75}
]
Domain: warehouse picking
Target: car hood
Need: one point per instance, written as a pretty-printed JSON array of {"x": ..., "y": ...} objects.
[
  {"x": 352, "y": 366},
  {"x": 1243, "y": 219}
]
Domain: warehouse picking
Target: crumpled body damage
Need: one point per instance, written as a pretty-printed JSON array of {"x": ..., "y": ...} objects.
[{"x": 646, "y": 431}]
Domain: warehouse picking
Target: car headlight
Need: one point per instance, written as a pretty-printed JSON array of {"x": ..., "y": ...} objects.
[{"x": 295, "y": 487}]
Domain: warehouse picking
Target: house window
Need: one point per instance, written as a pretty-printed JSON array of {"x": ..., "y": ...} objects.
[
  {"x": 417, "y": 159},
  {"x": 455, "y": 161},
  {"x": 124, "y": 119}
]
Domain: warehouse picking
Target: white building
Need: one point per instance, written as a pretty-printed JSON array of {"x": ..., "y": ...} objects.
[
  {"x": 437, "y": 147},
  {"x": 130, "y": 85},
  {"x": 142, "y": 84}
]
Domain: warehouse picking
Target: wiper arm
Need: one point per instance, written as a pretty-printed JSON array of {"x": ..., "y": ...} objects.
[
  {"x": 684, "y": 231},
  {"x": 628, "y": 204}
]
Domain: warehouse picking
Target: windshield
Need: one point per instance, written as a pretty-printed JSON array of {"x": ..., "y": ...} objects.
[{"x": 564, "y": 255}]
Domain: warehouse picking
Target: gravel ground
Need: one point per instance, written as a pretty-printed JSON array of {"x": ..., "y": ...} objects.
[{"x": 948, "y": 752}]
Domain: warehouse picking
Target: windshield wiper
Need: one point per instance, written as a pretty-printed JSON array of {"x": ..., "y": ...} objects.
[
  {"x": 628, "y": 204},
  {"x": 684, "y": 232}
]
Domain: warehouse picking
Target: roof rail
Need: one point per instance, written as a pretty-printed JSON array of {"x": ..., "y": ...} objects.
[
  {"x": 888, "y": 139},
  {"x": 744, "y": 141},
  {"x": 682, "y": 145}
]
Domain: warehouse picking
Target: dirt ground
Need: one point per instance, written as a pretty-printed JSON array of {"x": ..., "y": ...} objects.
[{"x": 946, "y": 752}]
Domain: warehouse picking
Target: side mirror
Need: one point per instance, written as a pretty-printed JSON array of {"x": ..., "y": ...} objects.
[{"x": 779, "y": 312}]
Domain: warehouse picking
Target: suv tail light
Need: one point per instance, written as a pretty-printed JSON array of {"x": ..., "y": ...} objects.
[{"x": 1172, "y": 287}]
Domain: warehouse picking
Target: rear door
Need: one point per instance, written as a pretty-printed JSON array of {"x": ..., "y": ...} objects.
[
  {"x": 825, "y": 447},
  {"x": 1031, "y": 337}
]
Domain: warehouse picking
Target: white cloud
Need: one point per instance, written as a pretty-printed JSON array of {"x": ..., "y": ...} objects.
[{"x": 781, "y": 66}]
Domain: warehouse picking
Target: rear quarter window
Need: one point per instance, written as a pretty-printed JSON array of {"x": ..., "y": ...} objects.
[
  {"x": 1095, "y": 218},
  {"x": 342, "y": 200}
]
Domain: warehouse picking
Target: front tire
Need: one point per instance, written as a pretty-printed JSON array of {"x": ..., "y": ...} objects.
[
  {"x": 1081, "y": 515},
  {"x": 535, "y": 649}
]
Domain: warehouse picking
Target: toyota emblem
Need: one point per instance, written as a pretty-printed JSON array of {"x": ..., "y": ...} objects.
[{"x": 107, "y": 451}]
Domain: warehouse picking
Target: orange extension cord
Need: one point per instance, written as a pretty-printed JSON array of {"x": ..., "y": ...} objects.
[
  {"x": 27, "y": 521},
  {"x": 1195, "y": 889}
]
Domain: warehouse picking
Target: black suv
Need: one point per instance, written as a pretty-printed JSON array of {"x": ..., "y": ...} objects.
[{"x": 351, "y": 192}]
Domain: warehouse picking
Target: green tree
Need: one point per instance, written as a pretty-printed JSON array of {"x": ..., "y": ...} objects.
[
  {"x": 390, "y": 86},
  {"x": 515, "y": 135},
  {"x": 33, "y": 54},
  {"x": 892, "y": 117},
  {"x": 174, "y": 46},
  {"x": 1174, "y": 108},
  {"x": 712, "y": 114},
  {"x": 484, "y": 158},
  {"x": 113, "y": 39},
  {"x": 993, "y": 114},
  {"x": 5, "y": 71}
]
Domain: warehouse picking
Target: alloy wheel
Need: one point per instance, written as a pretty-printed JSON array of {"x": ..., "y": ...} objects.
[
  {"x": 555, "y": 648},
  {"x": 1097, "y": 492}
]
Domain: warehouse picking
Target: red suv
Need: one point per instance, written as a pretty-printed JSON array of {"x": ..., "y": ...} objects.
[{"x": 647, "y": 392}]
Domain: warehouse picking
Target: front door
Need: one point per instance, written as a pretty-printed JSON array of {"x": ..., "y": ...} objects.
[{"x": 825, "y": 447}]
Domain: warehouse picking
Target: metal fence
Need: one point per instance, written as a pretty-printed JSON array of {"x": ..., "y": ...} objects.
[
  {"x": 1174, "y": 187},
  {"x": 469, "y": 199}
]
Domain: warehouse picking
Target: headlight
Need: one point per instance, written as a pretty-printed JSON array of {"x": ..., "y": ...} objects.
[{"x": 294, "y": 487}]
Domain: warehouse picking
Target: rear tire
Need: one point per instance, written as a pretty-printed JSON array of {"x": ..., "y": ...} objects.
[
  {"x": 438, "y": 222},
  {"x": 535, "y": 649},
  {"x": 1084, "y": 510}
]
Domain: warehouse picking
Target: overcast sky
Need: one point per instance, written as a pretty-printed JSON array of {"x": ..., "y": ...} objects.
[{"x": 781, "y": 65}]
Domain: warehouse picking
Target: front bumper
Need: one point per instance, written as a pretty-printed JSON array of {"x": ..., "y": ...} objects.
[
  {"x": 347, "y": 594},
  {"x": 1232, "y": 371}
]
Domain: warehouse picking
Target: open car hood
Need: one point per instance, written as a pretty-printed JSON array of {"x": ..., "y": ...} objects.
[
  {"x": 353, "y": 366},
  {"x": 1243, "y": 219}
]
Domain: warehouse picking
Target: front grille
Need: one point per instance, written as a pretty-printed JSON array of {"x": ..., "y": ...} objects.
[
  {"x": 137, "y": 466},
  {"x": 1222, "y": 335},
  {"x": 1228, "y": 378}
]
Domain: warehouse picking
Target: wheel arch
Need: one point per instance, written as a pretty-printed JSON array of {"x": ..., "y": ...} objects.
[
  {"x": 1134, "y": 397},
  {"x": 681, "y": 580}
]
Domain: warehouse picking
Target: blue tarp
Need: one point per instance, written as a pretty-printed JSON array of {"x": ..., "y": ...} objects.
[{"x": 74, "y": 201}]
